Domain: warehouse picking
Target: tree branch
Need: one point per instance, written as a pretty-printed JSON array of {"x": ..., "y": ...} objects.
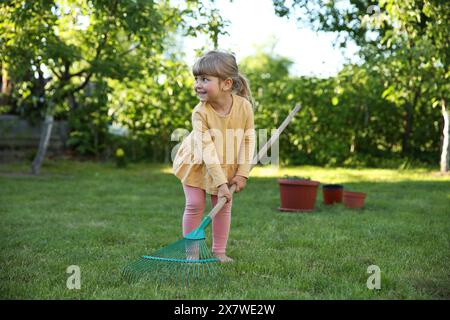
[
  {"x": 130, "y": 50},
  {"x": 79, "y": 73},
  {"x": 81, "y": 86},
  {"x": 56, "y": 73}
]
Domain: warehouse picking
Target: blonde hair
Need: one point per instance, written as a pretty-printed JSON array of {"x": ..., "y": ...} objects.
[{"x": 223, "y": 66}]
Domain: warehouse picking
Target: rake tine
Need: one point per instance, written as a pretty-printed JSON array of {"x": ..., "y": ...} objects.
[{"x": 183, "y": 262}]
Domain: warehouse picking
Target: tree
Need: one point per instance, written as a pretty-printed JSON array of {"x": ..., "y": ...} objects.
[
  {"x": 408, "y": 40},
  {"x": 53, "y": 49},
  {"x": 152, "y": 108}
]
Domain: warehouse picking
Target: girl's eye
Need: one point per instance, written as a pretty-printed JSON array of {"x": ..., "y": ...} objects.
[{"x": 203, "y": 79}]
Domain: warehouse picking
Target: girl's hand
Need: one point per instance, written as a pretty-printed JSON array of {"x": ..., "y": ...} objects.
[
  {"x": 240, "y": 182},
  {"x": 224, "y": 191}
]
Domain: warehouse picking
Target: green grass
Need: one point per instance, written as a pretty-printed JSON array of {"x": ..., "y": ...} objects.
[{"x": 101, "y": 218}]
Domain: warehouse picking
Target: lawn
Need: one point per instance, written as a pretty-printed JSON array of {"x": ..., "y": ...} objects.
[{"x": 100, "y": 218}]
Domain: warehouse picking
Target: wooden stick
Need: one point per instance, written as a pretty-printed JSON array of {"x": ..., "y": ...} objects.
[{"x": 221, "y": 202}]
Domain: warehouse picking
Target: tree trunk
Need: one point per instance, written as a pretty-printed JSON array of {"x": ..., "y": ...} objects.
[
  {"x": 407, "y": 128},
  {"x": 46, "y": 132},
  {"x": 445, "y": 155},
  {"x": 71, "y": 101},
  {"x": 5, "y": 86},
  {"x": 410, "y": 109}
]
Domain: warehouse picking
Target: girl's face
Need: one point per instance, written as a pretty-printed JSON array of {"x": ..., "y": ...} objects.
[{"x": 209, "y": 88}]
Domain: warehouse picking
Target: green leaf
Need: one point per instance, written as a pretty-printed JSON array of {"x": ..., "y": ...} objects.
[{"x": 335, "y": 101}]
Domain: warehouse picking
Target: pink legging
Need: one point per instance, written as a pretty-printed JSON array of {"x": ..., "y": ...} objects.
[{"x": 193, "y": 211}]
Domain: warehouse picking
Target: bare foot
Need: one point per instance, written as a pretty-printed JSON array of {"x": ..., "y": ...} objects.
[
  {"x": 223, "y": 258},
  {"x": 192, "y": 257}
]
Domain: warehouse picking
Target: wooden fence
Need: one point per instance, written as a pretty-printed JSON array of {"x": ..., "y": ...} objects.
[{"x": 19, "y": 140}]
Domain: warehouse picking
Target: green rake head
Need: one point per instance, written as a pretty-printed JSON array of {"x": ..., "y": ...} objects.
[{"x": 182, "y": 262}]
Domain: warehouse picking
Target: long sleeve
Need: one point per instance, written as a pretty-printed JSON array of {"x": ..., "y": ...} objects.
[
  {"x": 205, "y": 149},
  {"x": 247, "y": 147}
]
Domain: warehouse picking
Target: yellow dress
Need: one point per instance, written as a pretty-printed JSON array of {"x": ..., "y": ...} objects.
[{"x": 218, "y": 147}]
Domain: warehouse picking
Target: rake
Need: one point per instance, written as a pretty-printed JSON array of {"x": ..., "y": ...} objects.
[{"x": 189, "y": 259}]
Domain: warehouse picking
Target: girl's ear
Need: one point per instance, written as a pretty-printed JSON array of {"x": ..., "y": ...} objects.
[{"x": 227, "y": 84}]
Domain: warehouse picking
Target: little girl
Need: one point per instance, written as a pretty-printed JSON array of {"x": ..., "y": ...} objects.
[{"x": 219, "y": 150}]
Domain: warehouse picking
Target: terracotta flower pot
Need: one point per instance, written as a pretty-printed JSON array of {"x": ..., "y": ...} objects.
[
  {"x": 354, "y": 200},
  {"x": 297, "y": 194},
  {"x": 332, "y": 193}
]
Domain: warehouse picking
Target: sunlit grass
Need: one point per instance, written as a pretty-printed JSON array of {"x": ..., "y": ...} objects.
[
  {"x": 341, "y": 175},
  {"x": 101, "y": 218}
]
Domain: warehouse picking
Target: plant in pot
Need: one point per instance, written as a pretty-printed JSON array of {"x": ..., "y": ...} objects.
[
  {"x": 332, "y": 193},
  {"x": 297, "y": 193}
]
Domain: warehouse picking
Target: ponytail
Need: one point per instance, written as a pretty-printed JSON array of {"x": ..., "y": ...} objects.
[{"x": 242, "y": 88}]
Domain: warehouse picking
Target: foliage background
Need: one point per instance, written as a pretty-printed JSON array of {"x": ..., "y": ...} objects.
[{"x": 123, "y": 69}]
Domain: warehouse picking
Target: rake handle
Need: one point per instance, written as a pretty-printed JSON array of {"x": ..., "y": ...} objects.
[{"x": 221, "y": 202}]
